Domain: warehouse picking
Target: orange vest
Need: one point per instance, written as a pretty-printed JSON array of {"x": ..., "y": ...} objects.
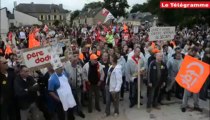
[
  {"x": 32, "y": 41},
  {"x": 8, "y": 50}
]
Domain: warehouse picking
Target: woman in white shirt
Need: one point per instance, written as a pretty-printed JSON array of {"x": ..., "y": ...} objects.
[{"x": 113, "y": 85}]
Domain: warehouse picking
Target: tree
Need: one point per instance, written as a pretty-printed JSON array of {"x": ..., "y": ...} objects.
[
  {"x": 56, "y": 23},
  {"x": 116, "y": 7},
  {"x": 139, "y": 7},
  {"x": 74, "y": 15},
  {"x": 174, "y": 16},
  {"x": 92, "y": 5}
]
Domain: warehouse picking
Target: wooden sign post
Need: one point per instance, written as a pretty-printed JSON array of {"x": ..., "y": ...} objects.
[{"x": 139, "y": 84}]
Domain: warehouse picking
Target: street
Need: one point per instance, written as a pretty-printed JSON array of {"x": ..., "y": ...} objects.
[{"x": 170, "y": 111}]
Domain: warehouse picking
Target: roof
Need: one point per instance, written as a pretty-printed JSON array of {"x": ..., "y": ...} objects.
[
  {"x": 90, "y": 13},
  {"x": 39, "y": 8},
  {"x": 11, "y": 16},
  {"x": 3, "y": 8},
  {"x": 138, "y": 15}
]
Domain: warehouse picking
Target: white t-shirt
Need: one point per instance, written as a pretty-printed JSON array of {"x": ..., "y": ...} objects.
[{"x": 22, "y": 35}]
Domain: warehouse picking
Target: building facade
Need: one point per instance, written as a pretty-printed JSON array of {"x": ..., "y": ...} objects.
[
  {"x": 46, "y": 13},
  {"x": 28, "y": 19},
  {"x": 89, "y": 17},
  {"x": 4, "y": 22}
]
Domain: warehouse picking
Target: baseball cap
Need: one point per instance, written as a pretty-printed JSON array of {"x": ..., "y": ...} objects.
[{"x": 93, "y": 57}]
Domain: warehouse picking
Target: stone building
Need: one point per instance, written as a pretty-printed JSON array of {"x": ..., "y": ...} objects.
[
  {"x": 89, "y": 17},
  {"x": 46, "y": 13}
]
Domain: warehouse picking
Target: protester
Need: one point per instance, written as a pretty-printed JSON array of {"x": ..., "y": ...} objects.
[
  {"x": 26, "y": 91},
  {"x": 61, "y": 94},
  {"x": 106, "y": 63},
  {"x": 132, "y": 75},
  {"x": 9, "y": 107},
  {"x": 93, "y": 76},
  {"x": 173, "y": 66},
  {"x": 75, "y": 71},
  {"x": 113, "y": 85},
  {"x": 121, "y": 61},
  {"x": 193, "y": 53},
  {"x": 110, "y": 39},
  {"x": 89, "y": 73},
  {"x": 157, "y": 78},
  {"x": 204, "y": 90}
]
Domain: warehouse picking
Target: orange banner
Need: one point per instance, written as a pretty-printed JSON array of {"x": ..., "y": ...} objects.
[{"x": 192, "y": 74}]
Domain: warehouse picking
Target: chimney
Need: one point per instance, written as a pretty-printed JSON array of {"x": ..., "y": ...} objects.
[
  {"x": 61, "y": 5},
  {"x": 15, "y": 4}
]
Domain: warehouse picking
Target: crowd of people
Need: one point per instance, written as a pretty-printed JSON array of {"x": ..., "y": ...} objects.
[{"x": 104, "y": 62}]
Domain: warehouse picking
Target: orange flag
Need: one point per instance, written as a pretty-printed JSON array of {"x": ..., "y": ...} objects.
[
  {"x": 192, "y": 74},
  {"x": 32, "y": 41}
]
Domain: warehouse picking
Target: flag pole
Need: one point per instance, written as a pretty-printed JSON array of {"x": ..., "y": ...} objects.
[{"x": 139, "y": 83}]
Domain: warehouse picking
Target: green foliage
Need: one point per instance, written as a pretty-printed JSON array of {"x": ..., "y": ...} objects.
[
  {"x": 184, "y": 17},
  {"x": 75, "y": 14},
  {"x": 92, "y": 5},
  {"x": 56, "y": 23},
  {"x": 116, "y": 7},
  {"x": 139, "y": 8}
]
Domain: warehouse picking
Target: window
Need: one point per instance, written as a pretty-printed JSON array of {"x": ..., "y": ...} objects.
[
  {"x": 48, "y": 17},
  {"x": 55, "y": 10},
  {"x": 11, "y": 24},
  {"x": 60, "y": 17},
  {"x": 55, "y": 17},
  {"x": 41, "y": 18}
]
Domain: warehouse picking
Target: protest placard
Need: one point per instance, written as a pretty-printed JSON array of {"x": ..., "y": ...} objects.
[
  {"x": 161, "y": 33},
  {"x": 38, "y": 57},
  {"x": 58, "y": 48},
  {"x": 55, "y": 60},
  {"x": 136, "y": 29}
]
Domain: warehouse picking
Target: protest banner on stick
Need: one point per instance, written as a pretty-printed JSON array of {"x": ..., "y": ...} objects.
[
  {"x": 38, "y": 58},
  {"x": 161, "y": 33}
]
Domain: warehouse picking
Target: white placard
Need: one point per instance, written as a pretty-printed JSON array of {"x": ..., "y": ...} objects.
[
  {"x": 55, "y": 61},
  {"x": 58, "y": 48},
  {"x": 161, "y": 33},
  {"x": 37, "y": 57},
  {"x": 135, "y": 29}
]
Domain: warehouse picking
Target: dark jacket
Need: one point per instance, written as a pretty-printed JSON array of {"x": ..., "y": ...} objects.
[
  {"x": 152, "y": 74},
  {"x": 25, "y": 91},
  {"x": 6, "y": 86},
  {"x": 206, "y": 59},
  {"x": 8, "y": 101},
  {"x": 150, "y": 59}
]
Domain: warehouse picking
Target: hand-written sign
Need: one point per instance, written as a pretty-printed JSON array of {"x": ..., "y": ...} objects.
[
  {"x": 37, "y": 57},
  {"x": 161, "y": 33}
]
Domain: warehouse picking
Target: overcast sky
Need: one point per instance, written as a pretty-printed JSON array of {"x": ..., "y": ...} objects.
[{"x": 67, "y": 4}]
